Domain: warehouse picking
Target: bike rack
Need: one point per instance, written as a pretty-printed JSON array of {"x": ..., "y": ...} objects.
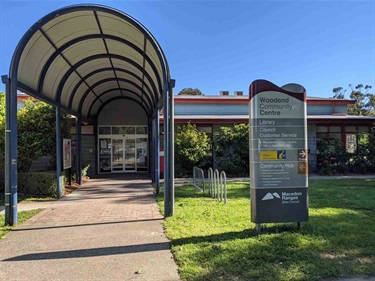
[{"x": 217, "y": 185}]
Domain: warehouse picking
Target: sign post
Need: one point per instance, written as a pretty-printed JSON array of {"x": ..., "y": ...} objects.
[{"x": 278, "y": 153}]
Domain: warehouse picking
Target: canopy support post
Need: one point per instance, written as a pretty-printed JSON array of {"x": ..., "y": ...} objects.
[
  {"x": 171, "y": 145},
  {"x": 167, "y": 194},
  {"x": 152, "y": 150},
  {"x": 11, "y": 215},
  {"x": 79, "y": 150},
  {"x": 59, "y": 182},
  {"x": 157, "y": 150},
  {"x": 12, "y": 148}
]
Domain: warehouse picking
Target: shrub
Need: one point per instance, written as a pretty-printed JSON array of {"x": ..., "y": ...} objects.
[
  {"x": 37, "y": 184},
  {"x": 37, "y": 133},
  {"x": 34, "y": 184},
  {"x": 85, "y": 170},
  {"x": 191, "y": 149},
  {"x": 232, "y": 150},
  {"x": 332, "y": 157},
  {"x": 371, "y": 148}
]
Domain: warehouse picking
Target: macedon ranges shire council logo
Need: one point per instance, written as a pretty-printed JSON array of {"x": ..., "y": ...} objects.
[{"x": 270, "y": 196}]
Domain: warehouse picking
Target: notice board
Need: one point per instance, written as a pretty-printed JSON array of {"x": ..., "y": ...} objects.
[{"x": 67, "y": 154}]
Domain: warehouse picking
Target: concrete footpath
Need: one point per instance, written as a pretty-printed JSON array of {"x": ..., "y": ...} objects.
[{"x": 109, "y": 229}]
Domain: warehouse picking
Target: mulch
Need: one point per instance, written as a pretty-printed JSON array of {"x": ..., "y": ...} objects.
[{"x": 70, "y": 188}]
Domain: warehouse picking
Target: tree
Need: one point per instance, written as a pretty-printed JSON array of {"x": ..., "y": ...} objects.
[
  {"x": 37, "y": 133},
  {"x": 364, "y": 100},
  {"x": 191, "y": 148},
  {"x": 339, "y": 93},
  {"x": 190, "y": 92}
]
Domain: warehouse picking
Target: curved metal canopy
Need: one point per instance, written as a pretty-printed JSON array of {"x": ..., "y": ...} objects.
[{"x": 81, "y": 57}]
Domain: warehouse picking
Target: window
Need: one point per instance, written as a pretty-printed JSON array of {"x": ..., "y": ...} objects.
[
  {"x": 350, "y": 129},
  {"x": 141, "y": 130},
  {"x": 321, "y": 129},
  {"x": 128, "y": 130},
  {"x": 104, "y": 130},
  {"x": 116, "y": 130},
  {"x": 363, "y": 129},
  {"x": 206, "y": 129},
  {"x": 334, "y": 129}
]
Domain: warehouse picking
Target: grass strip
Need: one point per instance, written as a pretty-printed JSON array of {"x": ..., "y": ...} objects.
[
  {"x": 214, "y": 241},
  {"x": 22, "y": 217}
]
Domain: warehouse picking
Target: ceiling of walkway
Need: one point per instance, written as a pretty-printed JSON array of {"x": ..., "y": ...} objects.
[{"x": 83, "y": 57}]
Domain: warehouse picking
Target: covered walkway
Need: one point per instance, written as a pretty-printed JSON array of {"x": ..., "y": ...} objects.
[
  {"x": 82, "y": 59},
  {"x": 110, "y": 229}
]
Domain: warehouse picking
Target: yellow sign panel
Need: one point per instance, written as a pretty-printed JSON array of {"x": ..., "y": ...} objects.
[
  {"x": 268, "y": 155},
  {"x": 273, "y": 155}
]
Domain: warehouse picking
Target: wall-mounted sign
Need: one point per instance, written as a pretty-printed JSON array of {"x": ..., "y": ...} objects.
[
  {"x": 67, "y": 154},
  {"x": 278, "y": 153}
]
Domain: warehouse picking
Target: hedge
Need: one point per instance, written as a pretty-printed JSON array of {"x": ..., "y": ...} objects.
[{"x": 34, "y": 184}]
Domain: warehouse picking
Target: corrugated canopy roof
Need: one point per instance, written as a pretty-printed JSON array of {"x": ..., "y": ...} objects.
[{"x": 82, "y": 57}]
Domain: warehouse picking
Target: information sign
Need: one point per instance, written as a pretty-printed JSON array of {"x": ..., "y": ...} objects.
[{"x": 278, "y": 153}]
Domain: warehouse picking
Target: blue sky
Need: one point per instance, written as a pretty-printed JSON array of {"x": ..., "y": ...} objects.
[{"x": 225, "y": 45}]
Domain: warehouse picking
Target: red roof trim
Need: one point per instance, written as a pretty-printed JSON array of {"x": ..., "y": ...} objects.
[
  {"x": 212, "y": 100},
  {"x": 245, "y": 121},
  {"x": 22, "y": 98},
  {"x": 202, "y": 100}
]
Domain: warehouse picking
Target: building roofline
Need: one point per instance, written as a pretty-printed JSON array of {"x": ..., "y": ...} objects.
[{"x": 245, "y": 100}]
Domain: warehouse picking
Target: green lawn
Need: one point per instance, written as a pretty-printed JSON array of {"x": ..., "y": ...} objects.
[
  {"x": 213, "y": 241},
  {"x": 22, "y": 217}
]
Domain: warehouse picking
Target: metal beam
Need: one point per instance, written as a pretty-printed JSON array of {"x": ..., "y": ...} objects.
[
  {"x": 87, "y": 92},
  {"x": 167, "y": 194},
  {"x": 171, "y": 144},
  {"x": 11, "y": 149},
  {"x": 106, "y": 48},
  {"x": 157, "y": 148},
  {"x": 30, "y": 91},
  {"x": 101, "y": 70},
  {"x": 96, "y": 149},
  {"x": 13, "y": 153},
  {"x": 146, "y": 109},
  {"x": 152, "y": 151},
  {"x": 69, "y": 44},
  {"x": 119, "y": 98},
  {"x": 8, "y": 198},
  {"x": 100, "y": 56},
  {"x": 59, "y": 182},
  {"x": 79, "y": 150},
  {"x": 160, "y": 103}
]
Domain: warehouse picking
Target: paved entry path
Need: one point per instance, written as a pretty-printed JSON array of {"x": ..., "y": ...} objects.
[{"x": 110, "y": 229}]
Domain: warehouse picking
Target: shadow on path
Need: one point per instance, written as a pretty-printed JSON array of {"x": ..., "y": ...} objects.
[{"x": 93, "y": 252}]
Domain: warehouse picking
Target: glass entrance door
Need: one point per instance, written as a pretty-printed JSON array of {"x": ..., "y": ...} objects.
[
  {"x": 117, "y": 155},
  {"x": 123, "y": 149},
  {"x": 105, "y": 155},
  {"x": 130, "y": 155},
  {"x": 142, "y": 161}
]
